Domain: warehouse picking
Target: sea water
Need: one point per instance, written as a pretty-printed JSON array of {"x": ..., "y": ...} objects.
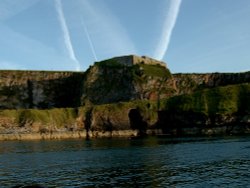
[{"x": 148, "y": 162}]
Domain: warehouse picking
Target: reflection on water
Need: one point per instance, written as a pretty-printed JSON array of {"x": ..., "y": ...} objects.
[{"x": 150, "y": 162}]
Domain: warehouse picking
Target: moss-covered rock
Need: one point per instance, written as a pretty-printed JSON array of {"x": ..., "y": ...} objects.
[
  {"x": 227, "y": 106},
  {"x": 123, "y": 93},
  {"x": 221, "y": 100},
  {"x": 34, "y": 120},
  {"x": 110, "y": 81}
]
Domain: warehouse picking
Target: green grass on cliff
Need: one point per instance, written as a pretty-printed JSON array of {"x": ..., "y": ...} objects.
[
  {"x": 225, "y": 100},
  {"x": 109, "y": 63},
  {"x": 149, "y": 70},
  {"x": 148, "y": 109},
  {"x": 143, "y": 70},
  {"x": 58, "y": 117},
  {"x": 222, "y": 100},
  {"x": 155, "y": 71}
]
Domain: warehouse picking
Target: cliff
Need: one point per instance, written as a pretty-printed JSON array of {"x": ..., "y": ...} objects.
[
  {"x": 115, "y": 80},
  {"x": 128, "y": 94},
  {"x": 119, "y": 79},
  {"x": 221, "y": 110},
  {"x": 188, "y": 83},
  {"x": 39, "y": 89}
]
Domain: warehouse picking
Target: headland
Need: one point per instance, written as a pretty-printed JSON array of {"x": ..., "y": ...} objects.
[{"x": 122, "y": 96}]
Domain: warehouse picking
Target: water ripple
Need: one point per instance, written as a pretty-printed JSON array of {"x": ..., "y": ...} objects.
[{"x": 148, "y": 162}]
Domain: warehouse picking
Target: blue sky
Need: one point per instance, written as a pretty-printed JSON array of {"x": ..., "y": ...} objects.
[{"x": 189, "y": 35}]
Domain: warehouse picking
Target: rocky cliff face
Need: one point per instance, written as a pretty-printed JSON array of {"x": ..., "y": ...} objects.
[
  {"x": 123, "y": 93},
  {"x": 113, "y": 81},
  {"x": 118, "y": 79},
  {"x": 219, "y": 110},
  {"x": 188, "y": 83},
  {"x": 39, "y": 89}
]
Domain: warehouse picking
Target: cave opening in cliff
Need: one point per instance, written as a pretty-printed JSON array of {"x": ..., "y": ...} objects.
[{"x": 137, "y": 122}]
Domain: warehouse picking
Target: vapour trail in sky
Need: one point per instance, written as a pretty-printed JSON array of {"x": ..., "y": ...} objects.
[
  {"x": 168, "y": 26},
  {"x": 89, "y": 40},
  {"x": 107, "y": 32},
  {"x": 66, "y": 35},
  {"x": 50, "y": 35}
]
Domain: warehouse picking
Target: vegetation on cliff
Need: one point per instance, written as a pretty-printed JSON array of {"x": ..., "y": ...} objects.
[
  {"x": 34, "y": 120},
  {"x": 122, "y": 94},
  {"x": 220, "y": 100},
  {"x": 40, "y": 89},
  {"x": 220, "y": 110},
  {"x": 104, "y": 118},
  {"x": 110, "y": 81},
  {"x": 199, "y": 109}
]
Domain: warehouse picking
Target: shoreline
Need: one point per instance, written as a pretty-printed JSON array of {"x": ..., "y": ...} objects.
[
  {"x": 66, "y": 135},
  {"x": 195, "y": 131}
]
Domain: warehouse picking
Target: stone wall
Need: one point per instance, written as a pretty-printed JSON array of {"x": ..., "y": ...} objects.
[{"x": 134, "y": 60}]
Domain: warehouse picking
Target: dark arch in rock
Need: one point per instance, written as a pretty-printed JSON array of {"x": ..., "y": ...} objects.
[{"x": 137, "y": 122}]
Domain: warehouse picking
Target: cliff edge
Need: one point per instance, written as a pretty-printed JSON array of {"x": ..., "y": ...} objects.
[{"x": 127, "y": 94}]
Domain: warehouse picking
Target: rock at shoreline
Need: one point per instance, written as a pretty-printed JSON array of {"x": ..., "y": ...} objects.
[{"x": 129, "y": 93}]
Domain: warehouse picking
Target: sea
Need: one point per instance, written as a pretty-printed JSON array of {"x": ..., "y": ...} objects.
[{"x": 126, "y": 162}]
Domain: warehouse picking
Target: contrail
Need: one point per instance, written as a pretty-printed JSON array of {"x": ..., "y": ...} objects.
[
  {"x": 168, "y": 27},
  {"x": 107, "y": 29},
  {"x": 66, "y": 35},
  {"x": 89, "y": 40}
]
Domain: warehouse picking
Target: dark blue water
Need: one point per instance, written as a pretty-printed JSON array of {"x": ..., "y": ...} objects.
[{"x": 151, "y": 162}]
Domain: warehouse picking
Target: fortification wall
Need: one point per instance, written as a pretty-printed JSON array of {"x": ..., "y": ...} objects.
[{"x": 134, "y": 60}]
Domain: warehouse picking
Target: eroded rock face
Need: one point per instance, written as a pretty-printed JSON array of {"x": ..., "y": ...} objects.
[
  {"x": 118, "y": 79},
  {"x": 137, "y": 122},
  {"x": 219, "y": 110},
  {"x": 125, "y": 93},
  {"x": 104, "y": 84},
  {"x": 222, "y": 110},
  {"x": 194, "y": 123},
  {"x": 188, "y": 83},
  {"x": 125, "y": 79},
  {"x": 39, "y": 89}
]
